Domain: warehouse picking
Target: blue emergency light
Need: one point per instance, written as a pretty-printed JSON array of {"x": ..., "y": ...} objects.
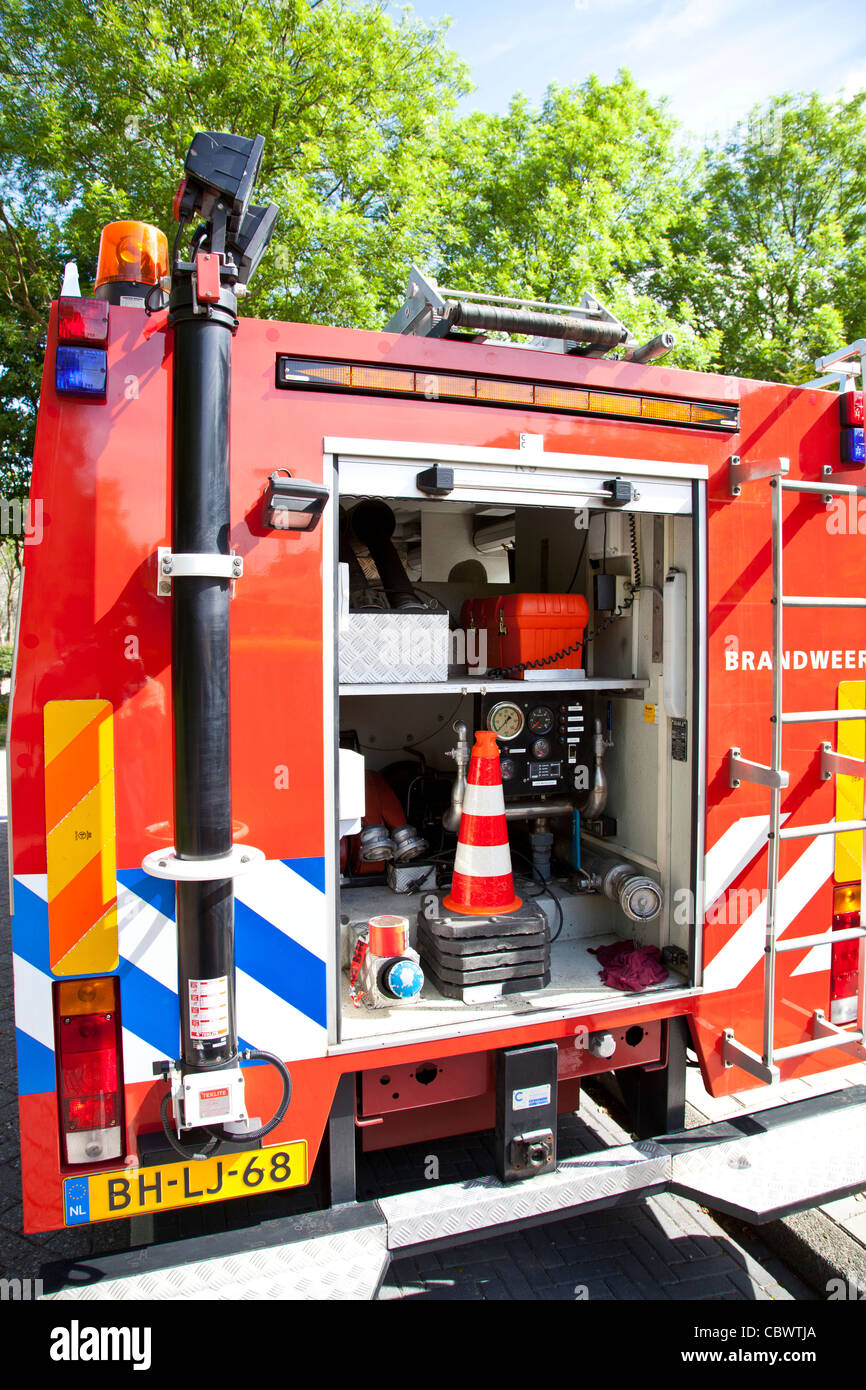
[
  {"x": 82, "y": 371},
  {"x": 853, "y": 446}
]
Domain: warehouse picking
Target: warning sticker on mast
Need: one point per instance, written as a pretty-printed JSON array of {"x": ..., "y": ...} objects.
[{"x": 209, "y": 1009}]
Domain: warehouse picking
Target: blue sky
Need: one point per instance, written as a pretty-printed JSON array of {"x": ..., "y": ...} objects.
[{"x": 714, "y": 59}]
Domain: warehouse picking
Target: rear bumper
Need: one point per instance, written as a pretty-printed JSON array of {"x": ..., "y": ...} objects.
[{"x": 758, "y": 1167}]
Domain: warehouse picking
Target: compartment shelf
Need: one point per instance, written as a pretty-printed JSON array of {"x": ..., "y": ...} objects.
[
  {"x": 575, "y": 986},
  {"x": 479, "y": 685}
]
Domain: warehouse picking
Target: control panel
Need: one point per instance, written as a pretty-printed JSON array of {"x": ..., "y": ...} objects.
[{"x": 543, "y": 741}]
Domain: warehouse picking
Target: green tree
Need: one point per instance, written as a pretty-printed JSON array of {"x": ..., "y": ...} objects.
[
  {"x": 771, "y": 251},
  {"x": 577, "y": 194},
  {"x": 98, "y": 103}
]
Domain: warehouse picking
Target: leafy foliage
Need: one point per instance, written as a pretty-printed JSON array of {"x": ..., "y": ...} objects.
[
  {"x": 579, "y": 194},
  {"x": 771, "y": 252},
  {"x": 753, "y": 253}
]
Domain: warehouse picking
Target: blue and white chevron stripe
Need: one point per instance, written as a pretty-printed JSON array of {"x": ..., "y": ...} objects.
[{"x": 280, "y": 951}]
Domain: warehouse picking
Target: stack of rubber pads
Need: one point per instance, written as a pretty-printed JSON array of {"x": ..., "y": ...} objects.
[{"x": 479, "y": 958}]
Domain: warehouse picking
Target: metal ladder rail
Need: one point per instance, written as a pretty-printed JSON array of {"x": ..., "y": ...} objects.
[{"x": 826, "y": 1035}]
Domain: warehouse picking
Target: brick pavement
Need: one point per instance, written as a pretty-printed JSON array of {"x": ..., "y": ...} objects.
[{"x": 658, "y": 1249}]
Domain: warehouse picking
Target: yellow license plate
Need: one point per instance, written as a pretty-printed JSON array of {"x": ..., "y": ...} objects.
[{"x": 132, "y": 1191}]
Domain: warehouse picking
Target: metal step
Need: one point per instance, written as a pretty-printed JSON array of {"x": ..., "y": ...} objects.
[
  {"x": 831, "y": 938},
  {"x": 440, "y": 1215},
  {"x": 820, "y": 716},
  {"x": 769, "y": 1164},
  {"x": 805, "y": 1049},
  {"x": 833, "y": 827},
  {"x": 338, "y": 1255},
  {"x": 819, "y": 601}
]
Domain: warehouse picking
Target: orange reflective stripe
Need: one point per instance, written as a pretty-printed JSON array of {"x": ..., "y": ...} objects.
[
  {"x": 80, "y": 836},
  {"x": 69, "y": 776}
]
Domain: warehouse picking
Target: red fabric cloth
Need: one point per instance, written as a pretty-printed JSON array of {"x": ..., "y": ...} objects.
[{"x": 626, "y": 966}]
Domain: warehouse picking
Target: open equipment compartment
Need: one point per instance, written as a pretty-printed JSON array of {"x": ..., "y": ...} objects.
[{"x": 511, "y": 527}]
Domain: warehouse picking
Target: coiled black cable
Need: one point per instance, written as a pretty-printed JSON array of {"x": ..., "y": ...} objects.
[
  {"x": 178, "y": 1147},
  {"x": 251, "y": 1136},
  {"x": 635, "y": 556},
  {"x": 253, "y": 1055}
]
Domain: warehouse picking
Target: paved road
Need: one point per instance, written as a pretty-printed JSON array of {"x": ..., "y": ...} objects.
[{"x": 660, "y": 1248}]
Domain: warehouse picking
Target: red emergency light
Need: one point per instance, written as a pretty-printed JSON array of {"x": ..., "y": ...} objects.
[
  {"x": 851, "y": 413},
  {"x": 82, "y": 321}
]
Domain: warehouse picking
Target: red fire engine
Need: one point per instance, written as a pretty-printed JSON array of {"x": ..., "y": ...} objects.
[{"x": 240, "y": 739}]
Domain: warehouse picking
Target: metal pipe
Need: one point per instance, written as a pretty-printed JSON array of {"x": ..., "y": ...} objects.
[
  {"x": 597, "y": 798},
  {"x": 461, "y": 755},
  {"x": 519, "y": 303},
  {"x": 639, "y": 896},
  {"x": 843, "y": 1040},
  {"x": 528, "y": 810},
  {"x": 656, "y": 347},
  {"x": 200, "y": 655}
]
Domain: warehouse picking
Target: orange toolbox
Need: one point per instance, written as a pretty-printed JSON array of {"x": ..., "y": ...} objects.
[{"x": 527, "y": 628}]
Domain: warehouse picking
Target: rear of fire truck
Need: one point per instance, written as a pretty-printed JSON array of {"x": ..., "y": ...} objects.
[{"x": 439, "y": 753}]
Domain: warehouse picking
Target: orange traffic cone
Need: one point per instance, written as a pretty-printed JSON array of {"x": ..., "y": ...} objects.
[{"x": 482, "y": 885}]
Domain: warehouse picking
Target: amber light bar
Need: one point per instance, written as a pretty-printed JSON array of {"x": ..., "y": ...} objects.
[{"x": 309, "y": 375}]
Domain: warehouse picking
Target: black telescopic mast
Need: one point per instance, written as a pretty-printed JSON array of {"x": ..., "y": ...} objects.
[
  {"x": 221, "y": 171},
  {"x": 200, "y": 650}
]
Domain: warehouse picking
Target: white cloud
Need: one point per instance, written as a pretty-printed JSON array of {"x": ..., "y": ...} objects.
[
  {"x": 854, "y": 80},
  {"x": 678, "y": 24}
]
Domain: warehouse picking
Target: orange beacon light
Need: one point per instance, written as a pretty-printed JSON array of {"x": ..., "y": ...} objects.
[{"x": 133, "y": 257}]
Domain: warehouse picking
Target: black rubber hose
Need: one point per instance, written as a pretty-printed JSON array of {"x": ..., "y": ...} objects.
[
  {"x": 505, "y": 319},
  {"x": 256, "y": 1134},
  {"x": 372, "y": 521},
  {"x": 175, "y": 1143}
]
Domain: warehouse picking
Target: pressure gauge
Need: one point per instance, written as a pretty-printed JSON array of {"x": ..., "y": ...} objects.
[
  {"x": 541, "y": 719},
  {"x": 505, "y": 719},
  {"x": 541, "y": 748},
  {"x": 507, "y": 769}
]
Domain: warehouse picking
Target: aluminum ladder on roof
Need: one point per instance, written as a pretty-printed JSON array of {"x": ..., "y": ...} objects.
[{"x": 825, "y": 1035}]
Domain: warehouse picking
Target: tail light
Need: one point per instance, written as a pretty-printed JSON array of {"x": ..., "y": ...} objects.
[
  {"x": 89, "y": 1066},
  {"x": 845, "y": 956}
]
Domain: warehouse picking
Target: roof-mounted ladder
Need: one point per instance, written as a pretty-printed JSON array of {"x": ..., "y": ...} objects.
[{"x": 825, "y": 1035}]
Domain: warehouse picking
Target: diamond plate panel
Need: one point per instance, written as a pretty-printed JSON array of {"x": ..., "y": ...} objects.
[
  {"x": 395, "y": 647},
  {"x": 795, "y": 1165},
  {"x": 416, "y": 1217},
  {"x": 348, "y": 1265}
]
